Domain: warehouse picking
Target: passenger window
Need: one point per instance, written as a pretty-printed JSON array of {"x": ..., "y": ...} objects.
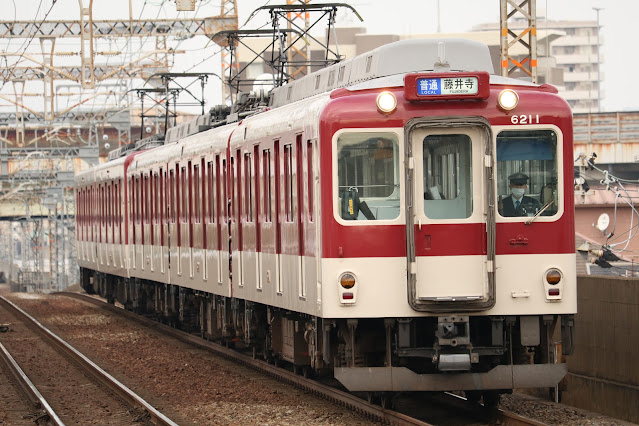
[
  {"x": 368, "y": 176},
  {"x": 448, "y": 171},
  {"x": 527, "y": 173}
]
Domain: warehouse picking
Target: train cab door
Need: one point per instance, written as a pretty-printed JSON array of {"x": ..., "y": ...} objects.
[{"x": 450, "y": 220}]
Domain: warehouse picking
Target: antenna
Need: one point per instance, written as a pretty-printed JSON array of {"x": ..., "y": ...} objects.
[{"x": 441, "y": 65}]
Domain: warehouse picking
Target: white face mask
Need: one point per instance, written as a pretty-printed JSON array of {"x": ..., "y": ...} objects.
[{"x": 517, "y": 192}]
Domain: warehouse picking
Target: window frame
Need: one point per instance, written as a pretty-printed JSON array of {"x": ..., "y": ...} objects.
[
  {"x": 399, "y": 134},
  {"x": 560, "y": 172}
]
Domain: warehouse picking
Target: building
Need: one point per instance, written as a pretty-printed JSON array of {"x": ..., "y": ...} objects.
[
  {"x": 578, "y": 54},
  {"x": 353, "y": 41}
]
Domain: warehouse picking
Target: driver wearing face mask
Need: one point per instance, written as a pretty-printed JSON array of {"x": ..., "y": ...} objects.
[{"x": 517, "y": 204}]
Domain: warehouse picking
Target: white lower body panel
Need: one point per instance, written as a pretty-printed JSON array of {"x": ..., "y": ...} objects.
[{"x": 381, "y": 289}]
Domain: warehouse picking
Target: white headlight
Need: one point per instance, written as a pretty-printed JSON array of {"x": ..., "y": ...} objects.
[
  {"x": 508, "y": 99},
  {"x": 386, "y": 102}
]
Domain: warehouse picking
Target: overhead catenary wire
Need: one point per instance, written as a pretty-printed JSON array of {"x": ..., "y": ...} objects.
[
  {"x": 613, "y": 241},
  {"x": 30, "y": 39}
]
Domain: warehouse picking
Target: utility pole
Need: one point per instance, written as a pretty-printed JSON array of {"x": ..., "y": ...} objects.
[{"x": 598, "y": 9}]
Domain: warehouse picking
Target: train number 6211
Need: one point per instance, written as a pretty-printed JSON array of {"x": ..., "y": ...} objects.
[{"x": 525, "y": 119}]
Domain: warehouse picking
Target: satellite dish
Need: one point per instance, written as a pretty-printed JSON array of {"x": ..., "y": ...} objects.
[{"x": 603, "y": 222}]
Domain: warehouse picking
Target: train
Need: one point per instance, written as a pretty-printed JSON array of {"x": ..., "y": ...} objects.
[{"x": 402, "y": 220}]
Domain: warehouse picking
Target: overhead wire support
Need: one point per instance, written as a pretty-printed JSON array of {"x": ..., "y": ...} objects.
[
  {"x": 528, "y": 10},
  {"x": 275, "y": 61},
  {"x": 171, "y": 94},
  {"x": 285, "y": 65}
]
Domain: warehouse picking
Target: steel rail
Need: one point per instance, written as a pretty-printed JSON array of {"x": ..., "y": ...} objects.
[
  {"x": 503, "y": 417},
  {"x": 326, "y": 392},
  {"x": 28, "y": 390},
  {"x": 364, "y": 408},
  {"x": 89, "y": 366}
]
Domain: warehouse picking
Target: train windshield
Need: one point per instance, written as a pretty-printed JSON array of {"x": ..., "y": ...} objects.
[
  {"x": 527, "y": 172},
  {"x": 368, "y": 175}
]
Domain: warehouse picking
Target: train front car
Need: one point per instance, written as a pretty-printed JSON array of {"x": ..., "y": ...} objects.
[{"x": 448, "y": 258}]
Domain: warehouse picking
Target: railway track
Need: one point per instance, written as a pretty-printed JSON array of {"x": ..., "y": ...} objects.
[
  {"x": 71, "y": 359},
  {"x": 371, "y": 411},
  {"x": 39, "y": 409}
]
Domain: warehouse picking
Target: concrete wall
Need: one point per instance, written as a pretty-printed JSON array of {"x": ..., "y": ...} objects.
[{"x": 604, "y": 369}]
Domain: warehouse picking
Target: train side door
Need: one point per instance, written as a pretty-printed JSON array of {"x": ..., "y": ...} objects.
[
  {"x": 249, "y": 219},
  {"x": 268, "y": 256},
  {"x": 103, "y": 231},
  {"x": 450, "y": 226},
  {"x": 290, "y": 229},
  {"x": 172, "y": 218}
]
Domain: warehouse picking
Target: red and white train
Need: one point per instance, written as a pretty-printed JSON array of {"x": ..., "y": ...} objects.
[{"x": 362, "y": 224}]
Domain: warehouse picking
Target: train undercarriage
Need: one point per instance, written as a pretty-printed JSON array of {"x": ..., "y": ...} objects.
[{"x": 483, "y": 356}]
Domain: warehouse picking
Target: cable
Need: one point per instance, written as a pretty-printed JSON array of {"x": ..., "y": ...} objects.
[{"x": 30, "y": 39}]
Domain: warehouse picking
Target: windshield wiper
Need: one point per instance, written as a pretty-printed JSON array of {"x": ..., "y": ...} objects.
[{"x": 529, "y": 221}]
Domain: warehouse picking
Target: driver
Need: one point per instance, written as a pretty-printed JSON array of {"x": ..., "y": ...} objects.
[{"x": 517, "y": 204}]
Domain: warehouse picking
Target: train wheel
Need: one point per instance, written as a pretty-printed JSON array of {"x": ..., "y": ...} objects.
[
  {"x": 386, "y": 400},
  {"x": 307, "y": 372},
  {"x": 473, "y": 396},
  {"x": 491, "y": 399}
]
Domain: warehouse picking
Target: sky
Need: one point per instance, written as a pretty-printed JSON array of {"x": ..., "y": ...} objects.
[{"x": 618, "y": 21}]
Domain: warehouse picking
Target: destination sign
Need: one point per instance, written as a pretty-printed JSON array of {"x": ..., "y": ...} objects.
[{"x": 447, "y": 86}]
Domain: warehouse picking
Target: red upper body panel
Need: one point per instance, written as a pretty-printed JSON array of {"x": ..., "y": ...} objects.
[{"x": 357, "y": 109}]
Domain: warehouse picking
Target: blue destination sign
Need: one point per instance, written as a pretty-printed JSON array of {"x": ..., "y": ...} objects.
[{"x": 447, "y": 86}]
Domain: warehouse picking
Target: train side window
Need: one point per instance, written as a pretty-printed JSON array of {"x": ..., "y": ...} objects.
[
  {"x": 112, "y": 204},
  {"x": 152, "y": 204},
  {"x": 102, "y": 206},
  {"x": 185, "y": 197},
  {"x": 146, "y": 204},
  {"x": 368, "y": 176},
  {"x": 448, "y": 183},
  {"x": 210, "y": 193},
  {"x": 163, "y": 211},
  {"x": 203, "y": 195},
  {"x": 139, "y": 181},
  {"x": 172, "y": 195},
  {"x": 109, "y": 200},
  {"x": 217, "y": 201},
  {"x": 225, "y": 199},
  {"x": 232, "y": 188},
  {"x": 527, "y": 160},
  {"x": 140, "y": 200},
  {"x": 248, "y": 193},
  {"x": 116, "y": 203},
  {"x": 310, "y": 178},
  {"x": 255, "y": 205},
  {"x": 288, "y": 182},
  {"x": 196, "y": 194},
  {"x": 155, "y": 199},
  {"x": 161, "y": 196},
  {"x": 267, "y": 176},
  {"x": 191, "y": 194}
]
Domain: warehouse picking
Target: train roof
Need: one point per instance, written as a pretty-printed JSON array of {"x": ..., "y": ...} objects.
[
  {"x": 384, "y": 66},
  {"x": 393, "y": 59}
]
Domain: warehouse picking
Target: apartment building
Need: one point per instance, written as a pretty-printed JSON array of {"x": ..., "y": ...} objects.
[{"x": 578, "y": 54}]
